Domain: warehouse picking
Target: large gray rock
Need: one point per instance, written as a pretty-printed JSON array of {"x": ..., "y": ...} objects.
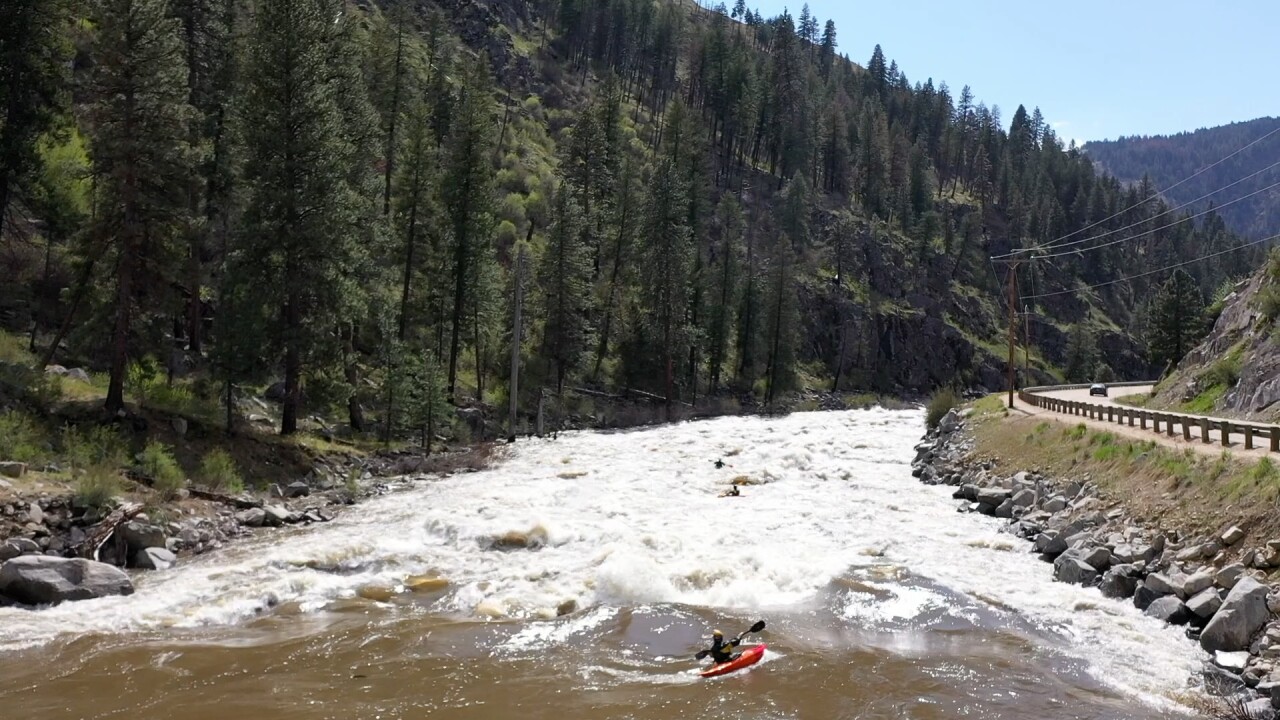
[
  {"x": 154, "y": 559},
  {"x": 1070, "y": 569},
  {"x": 1005, "y": 509},
  {"x": 140, "y": 535},
  {"x": 1205, "y": 603},
  {"x": 1162, "y": 584},
  {"x": 1196, "y": 583},
  {"x": 1243, "y": 613},
  {"x": 1050, "y": 543},
  {"x": 297, "y": 489},
  {"x": 25, "y": 546},
  {"x": 1227, "y": 577},
  {"x": 1232, "y": 535},
  {"x": 1055, "y": 504},
  {"x": 1233, "y": 661},
  {"x": 13, "y": 469},
  {"x": 8, "y": 551},
  {"x": 1118, "y": 583},
  {"x": 1169, "y": 609},
  {"x": 253, "y": 517},
  {"x": 1143, "y": 596},
  {"x": 1259, "y": 709},
  {"x": 1024, "y": 498},
  {"x": 276, "y": 515},
  {"x": 993, "y": 496},
  {"x": 45, "y": 580},
  {"x": 1130, "y": 553}
]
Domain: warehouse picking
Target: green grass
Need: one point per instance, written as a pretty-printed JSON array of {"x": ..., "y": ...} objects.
[
  {"x": 1076, "y": 433},
  {"x": 1206, "y": 401},
  {"x": 990, "y": 405},
  {"x": 85, "y": 449}
]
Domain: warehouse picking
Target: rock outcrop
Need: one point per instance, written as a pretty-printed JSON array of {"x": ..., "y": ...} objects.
[{"x": 44, "y": 580}]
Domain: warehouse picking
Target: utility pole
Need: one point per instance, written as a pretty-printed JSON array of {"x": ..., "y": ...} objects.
[
  {"x": 1013, "y": 263},
  {"x": 516, "y": 335},
  {"x": 1026, "y": 343}
]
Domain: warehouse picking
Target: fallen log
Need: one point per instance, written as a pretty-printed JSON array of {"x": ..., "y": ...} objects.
[
  {"x": 237, "y": 502},
  {"x": 99, "y": 534}
]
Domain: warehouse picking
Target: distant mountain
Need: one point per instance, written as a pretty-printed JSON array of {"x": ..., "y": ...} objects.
[{"x": 1168, "y": 159}]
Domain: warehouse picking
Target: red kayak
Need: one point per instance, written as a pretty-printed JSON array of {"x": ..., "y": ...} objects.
[{"x": 746, "y": 658}]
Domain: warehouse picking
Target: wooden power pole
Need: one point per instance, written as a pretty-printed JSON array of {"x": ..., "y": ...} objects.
[{"x": 1013, "y": 263}]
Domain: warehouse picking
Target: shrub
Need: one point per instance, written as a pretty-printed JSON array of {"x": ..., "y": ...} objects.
[
  {"x": 95, "y": 447},
  {"x": 97, "y": 487},
  {"x": 1224, "y": 373},
  {"x": 157, "y": 463},
  {"x": 218, "y": 471},
  {"x": 942, "y": 402},
  {"x": 20, "y": 438}
]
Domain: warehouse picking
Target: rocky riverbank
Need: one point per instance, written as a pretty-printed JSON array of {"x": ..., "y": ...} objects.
[
  {"x": 54, "y": 549},
  {"x": 1215, "y": 586}
]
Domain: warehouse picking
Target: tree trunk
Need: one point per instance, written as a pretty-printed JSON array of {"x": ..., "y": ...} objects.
[
  {"x": 120, "y": 333},
  {"x": 292, "y": 369},
  {"x": 410, "y": 243},
  {"x": 391, "y": 123},
  {"x": 355, "y": 414}
]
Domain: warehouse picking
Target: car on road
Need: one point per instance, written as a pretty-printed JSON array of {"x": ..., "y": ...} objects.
[{"x": 1097, "y": 389}]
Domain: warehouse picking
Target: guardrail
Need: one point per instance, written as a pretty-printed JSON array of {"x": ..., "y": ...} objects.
[{"x": 1193, "y": 426}]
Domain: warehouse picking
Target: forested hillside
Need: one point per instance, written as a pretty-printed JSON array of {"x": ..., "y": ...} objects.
[
  {"x": 1251, "y": 207},
  {"x": 349, "y": 198}
]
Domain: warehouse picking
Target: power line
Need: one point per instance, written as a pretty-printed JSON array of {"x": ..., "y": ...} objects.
[
  {"x": 1185, "y": 180},
  {"x": 1156, "y": 230},
  {"x": 1052, "y": 246},
  {"x": 1153, "y": 272}
]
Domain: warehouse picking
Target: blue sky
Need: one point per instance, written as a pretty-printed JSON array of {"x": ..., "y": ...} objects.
[{"x": 1097, "y": 69}]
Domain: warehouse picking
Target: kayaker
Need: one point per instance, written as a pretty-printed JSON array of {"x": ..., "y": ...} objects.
[
  {"x": 732, "y": 492},
  {"x": 721, "y": 651},
  {"x": 719, "y": 464}
]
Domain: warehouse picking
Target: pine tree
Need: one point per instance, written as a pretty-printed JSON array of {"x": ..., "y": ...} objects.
[
  {"x": 300, "y": 247},
  {"x": 467, "y": 197},
  {"x": 827, "y": 55},
  {"x": 142, "y": 157},
  {"x": 415, "y": 206},
  {"x": 665, "y": 270},
  {"x": 724, "y": 270},
  {"x": 1175, "y": 321},
  {"x": 565, "y": 279},
  {"x": 1082, "y": 353},
  {"x": 33, "y": 85}
]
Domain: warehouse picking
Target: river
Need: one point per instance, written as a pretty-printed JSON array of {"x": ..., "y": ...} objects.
[{"x": 881, "y": 600}]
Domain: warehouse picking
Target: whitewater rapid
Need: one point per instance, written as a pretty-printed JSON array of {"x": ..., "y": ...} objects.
[{"x": 829, "y": 513}]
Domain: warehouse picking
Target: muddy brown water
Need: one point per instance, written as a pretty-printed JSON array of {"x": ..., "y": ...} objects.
[{"x": 881, "y": 601}]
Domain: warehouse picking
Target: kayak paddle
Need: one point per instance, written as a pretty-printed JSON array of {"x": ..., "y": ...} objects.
[{"x": 753, "y": 629}]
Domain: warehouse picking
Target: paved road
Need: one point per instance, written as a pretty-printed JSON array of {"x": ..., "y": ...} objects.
[
  {"x": 1082, "y": 395},
  {"x": 1214, "y": 446}
]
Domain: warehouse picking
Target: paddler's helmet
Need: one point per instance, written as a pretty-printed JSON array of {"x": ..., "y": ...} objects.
[{"x": 717, "y": 633}]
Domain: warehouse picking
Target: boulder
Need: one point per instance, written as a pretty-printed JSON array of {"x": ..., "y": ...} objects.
[
  {"x": 1162, "y": 584},
  {"x": 1227, "y": 577},
  {"x": 297, "y": 489},
  {"x": 45, "y": 580},
  {"x": 1233, "y": 661},
  {"x": 1070, "y": 569},
  {"x": 154, "y": 559},
  {"x": 25, "y": 546},
  {"x": 1259, "y": 709},
  {"x": 993, "y": 496},
  {"x": 13, "y": 469},
  {"x": 1005, "y": 509},
  {"x": 1024, "y": 498},
  {"x": 277, "y": 515},
  {"x": 1221, "y": 683},
  {"x": 179, "y": 426},
  {"x": 140, "y": 535},
  {"x": 1097, "y": 557},
  {"x": 1118, "y": 583},
  {"x": 1055, "y": 504},
  {"x": 1050, "y": 543},
  {"x": 8, "y": 551},
  {"x": 1196, "y": 583},
  {"x": 1143, "y": 596},
  {"x": 1130, "y": 553},
  {"x": 1169, "y": 609},
  {"x": 253, "y": 517},
  {"x": 79, "y": 374},
  {"x": 1242, "y": 614},
  {"x": 1205, "y": 603},
  {"x": 1232, "y": 535}
]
